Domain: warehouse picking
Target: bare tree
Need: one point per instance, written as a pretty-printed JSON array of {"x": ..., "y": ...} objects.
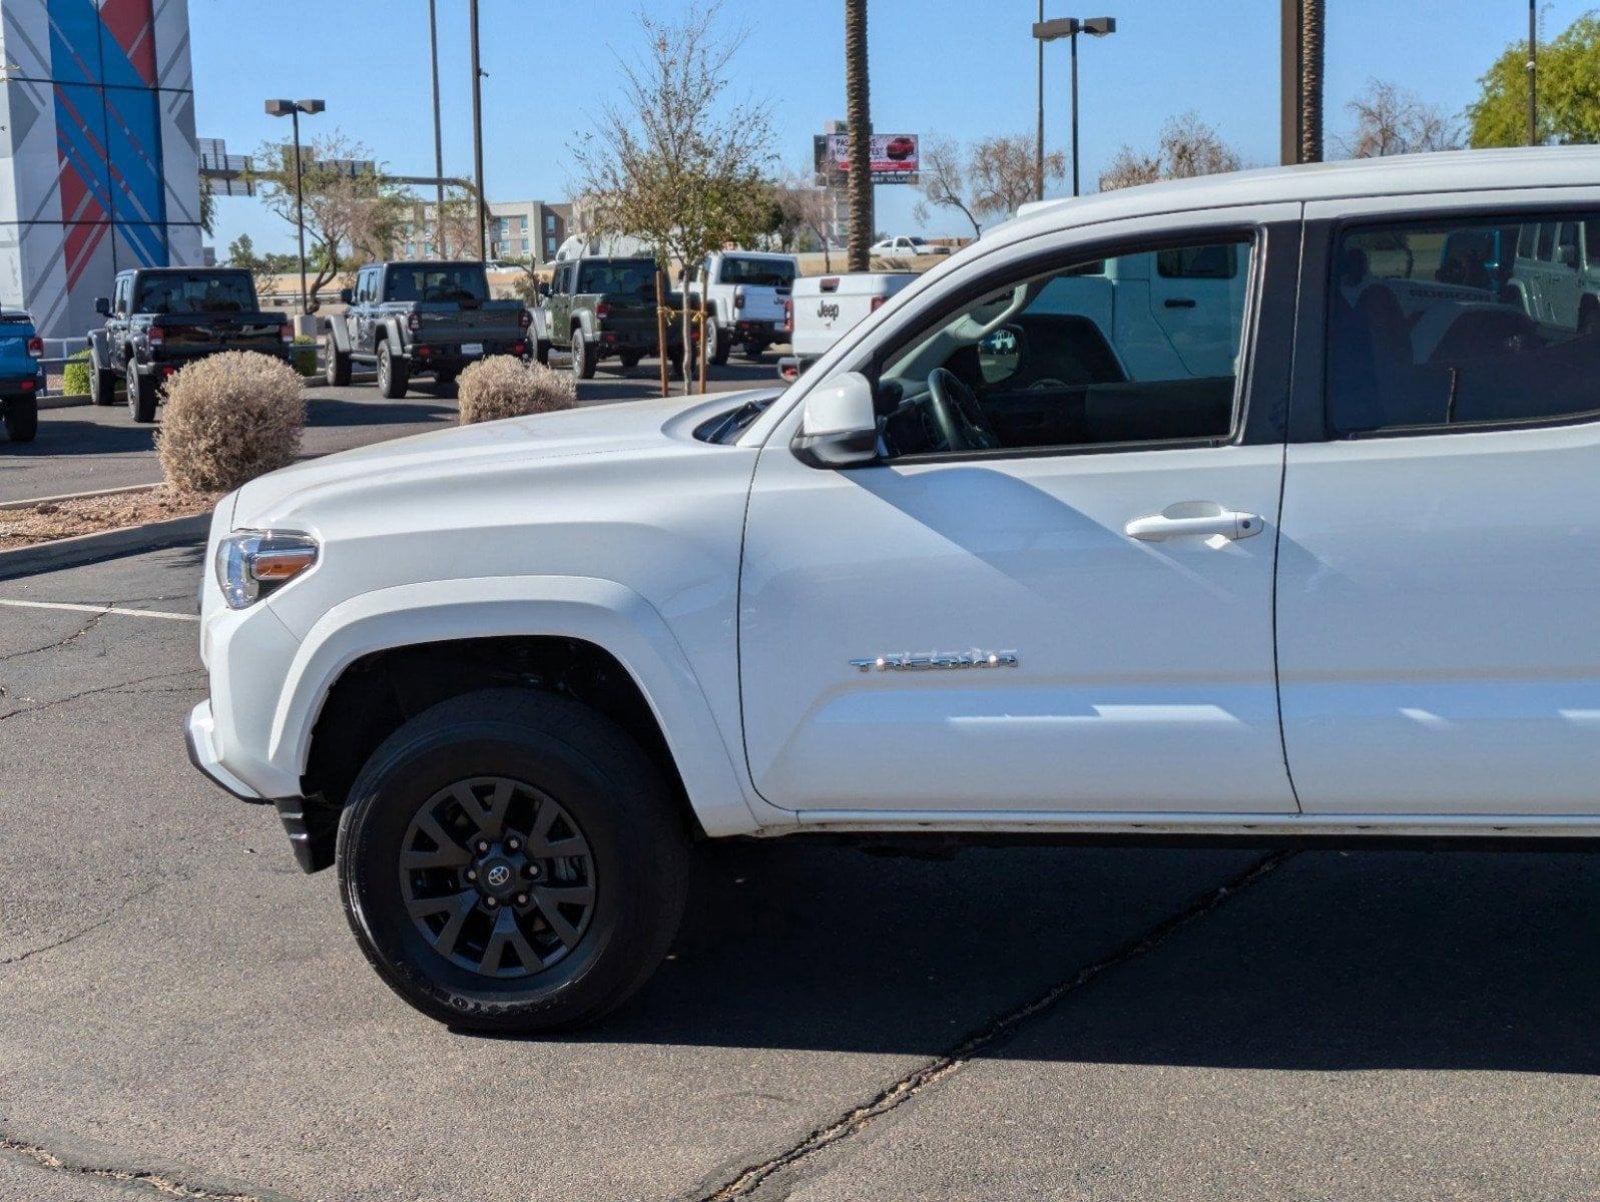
[
  {"x": 858, "y": 110},
  {"x": 1392, "y": 120},
  {"x": 349, "y": 215},
  {"x": 672, "y": 163},
  {"x": 944, "y": 182},
  {"x": 807, "y": 207},
  {"x": 1003, "y": 174},
  {"x": 1188, "y": 147}
]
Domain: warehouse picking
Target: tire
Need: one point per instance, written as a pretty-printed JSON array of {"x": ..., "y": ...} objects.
[
  {"x": 754, "y": 349},
  {"x": 541, "y": 352},
  {"x": 22, "y": 418},
  {"x": 141, "y": 395},
  {"x": 630, "y": 359},
  {"x": 584, "y": 356},
  {"x": 335, "y": 364},
  {"x": 1589, "y": 320},
  {"x": 102, "y": 385},
  {"x": 393, "y": 376},
  {"x": 718, "y": 344},
  {"x": 542, "y": 750}
]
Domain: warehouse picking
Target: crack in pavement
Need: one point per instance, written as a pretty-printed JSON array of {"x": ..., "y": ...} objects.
[
  {"x": 162, "y": 1183},
  {"x": 748, "y": 1180},
  {"x": 71, "y": 638},
  {"x": 103, "y": 921},
  {"x": 122, "y": 686}
]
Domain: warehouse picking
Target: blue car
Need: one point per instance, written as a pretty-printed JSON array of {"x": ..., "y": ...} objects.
[{"x": 21, "y": 377}]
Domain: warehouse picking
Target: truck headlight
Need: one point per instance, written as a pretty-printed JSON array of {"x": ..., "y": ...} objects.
[{"x": 252, "y": 563}]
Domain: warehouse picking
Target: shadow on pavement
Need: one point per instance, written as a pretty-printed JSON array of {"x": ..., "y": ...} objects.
[
  {"x": 327, "y": 411},
  {"x": 58, "y": 436},
  {"x": 1335, "y": 961}
]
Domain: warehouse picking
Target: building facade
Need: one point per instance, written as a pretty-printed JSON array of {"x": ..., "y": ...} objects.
[
  {"x": 518, "y": 230},
  {"x": 98, "y": 163}
]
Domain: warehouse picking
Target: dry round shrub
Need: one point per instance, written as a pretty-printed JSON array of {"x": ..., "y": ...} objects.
[
  {"x": 502, "y": 386},
  {"x": 228, "y": 419}
]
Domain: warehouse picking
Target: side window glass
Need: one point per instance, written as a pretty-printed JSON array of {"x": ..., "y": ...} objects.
[
  {"x": 1083, "y": 356},
  {"x": 1437, "y": 325}
]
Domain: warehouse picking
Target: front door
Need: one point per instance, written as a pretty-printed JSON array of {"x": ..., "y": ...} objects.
[
  {"x": 1440, "y": 560},
  {"x": 1071, "y": 612}
]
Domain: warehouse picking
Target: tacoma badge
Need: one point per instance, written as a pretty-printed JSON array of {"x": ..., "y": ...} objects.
[{"x": 938, "y": 659}]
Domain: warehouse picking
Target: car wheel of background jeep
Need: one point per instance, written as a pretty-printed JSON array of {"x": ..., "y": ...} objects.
[
  {"x": 754, "y": 349},
  {"x": 718, "y": 344},
  {"x": 393, "y": 378},
  {"x": 102, "y": 386},
  {"x": 541, "y": 352},
  {"x": 630, "y": 359},
  {"x": 1588, "y": 318},
  {"x": 512, "y": 861},
  {"x": 335, "y": 364},
  {"x": 22, "y": 418},
  {"x": 141, "y": 396},
  {"x": 583, "y": 356}
]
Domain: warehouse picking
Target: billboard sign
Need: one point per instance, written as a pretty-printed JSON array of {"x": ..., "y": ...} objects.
[{"x": 894, "y": 158}]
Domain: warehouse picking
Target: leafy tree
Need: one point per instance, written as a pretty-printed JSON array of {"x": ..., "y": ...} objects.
[
  {"x": 672, "y": 164},
  {"x": 242, "y": 253},
  {"x": 1391, "y": 120},
  {"x": 349, "y": 215},
  {"x": 1568, "y": 91},
  {"x": 1187, "y": 147},
  {"x": 858, "y": 110}
]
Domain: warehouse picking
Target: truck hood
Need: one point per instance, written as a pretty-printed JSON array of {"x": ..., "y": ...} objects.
[{"x": 406, "y": 468}]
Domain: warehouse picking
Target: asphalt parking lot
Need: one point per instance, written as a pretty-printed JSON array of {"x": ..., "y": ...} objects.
[
  {"x": 83, "y": 447},
  {"x": 183, "y": 1008},
  {"x": 183, "y": 1013}
]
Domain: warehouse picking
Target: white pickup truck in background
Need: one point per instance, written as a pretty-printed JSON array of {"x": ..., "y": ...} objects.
[
  {"x": 823, "y": 307},
  {"x": 747, "y": 291}
]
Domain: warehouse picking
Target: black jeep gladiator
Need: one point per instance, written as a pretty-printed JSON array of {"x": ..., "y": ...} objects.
[
  {"x": 414, "y": 318},
  {"x": 159, "y": 318}
]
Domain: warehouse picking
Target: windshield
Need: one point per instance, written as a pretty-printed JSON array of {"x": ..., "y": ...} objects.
[
  {"x": 758, "y": 273},
  {"x": 622, "y": 277},
  {"x": 437, "y": 282},
  {"x": 196, "y": 292}
]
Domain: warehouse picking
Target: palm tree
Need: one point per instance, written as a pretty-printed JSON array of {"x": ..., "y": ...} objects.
[
  {"x": 858, "y": 111},
  {"x": 1312, "y": 24}
]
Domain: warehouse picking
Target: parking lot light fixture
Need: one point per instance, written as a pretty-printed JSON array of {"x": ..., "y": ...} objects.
[
  {"x": 1070, "y": 28},
  {"x": 292, "y": 109}
]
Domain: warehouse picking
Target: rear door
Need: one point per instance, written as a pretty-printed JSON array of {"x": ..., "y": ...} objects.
[{"x": 1439, "y": 564}]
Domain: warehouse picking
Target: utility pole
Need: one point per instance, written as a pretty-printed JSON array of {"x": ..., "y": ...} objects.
[
  {"x": 1038, "y": 133},
  {"x": 1533, "y": 72},
  {"x": 438, "y": 136},
  {"x": 477, "y": 136}
]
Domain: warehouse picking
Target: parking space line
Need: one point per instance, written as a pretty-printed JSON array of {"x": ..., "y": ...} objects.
[{"x": 102, "y": 609}]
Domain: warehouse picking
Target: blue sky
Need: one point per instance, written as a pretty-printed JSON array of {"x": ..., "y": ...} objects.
[{"x": 947, "y": 68}]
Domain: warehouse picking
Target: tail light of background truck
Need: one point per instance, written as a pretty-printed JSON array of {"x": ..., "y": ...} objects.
[
  {"x": 602, "y": 310},
  {"x": 788, "y": 316},
  {"x": 738, "y": 297},
  {"x": 36, "y": 347}
]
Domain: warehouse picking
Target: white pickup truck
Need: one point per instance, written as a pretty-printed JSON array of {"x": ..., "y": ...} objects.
[
  {"x": 1329, "y": 579},
  {"x": 823, "y": 308},
  {"x": 748, "y": 292}
]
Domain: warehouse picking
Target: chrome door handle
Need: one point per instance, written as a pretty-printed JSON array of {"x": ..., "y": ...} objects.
[{"x": 1194, "y": 519}]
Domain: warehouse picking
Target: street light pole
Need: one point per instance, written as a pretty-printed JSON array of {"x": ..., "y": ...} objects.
[
  {"x": 1038, "y": 133},
  {"x": 292, "y": 109},
  {"x": 1533, "y": 72},
  {"x": 477, "y": 135},
  {"x": 1070, "y": 28},
  {"x": 438, "y": 136}
]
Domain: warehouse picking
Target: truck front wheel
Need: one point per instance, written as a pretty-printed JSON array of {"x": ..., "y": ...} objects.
[
  {"x": 584, "y": 356},
  {"x": 102, "y": 385},
  {"x": 335, "y": 363},
  {"x": 141, "y": 396},
  {"x": 393, "y": 375},
  {"x": 511, "y": 860},
  {"x": 718, "y": 343}
]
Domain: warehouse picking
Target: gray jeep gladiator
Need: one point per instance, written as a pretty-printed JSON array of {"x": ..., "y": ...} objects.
[
  {"x": 418, "y": 318},
  {"x": 158, "y": 319},
  {"x": 597, "y": 307}
]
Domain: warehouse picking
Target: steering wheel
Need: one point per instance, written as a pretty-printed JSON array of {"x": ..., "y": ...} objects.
[{"x": 957, "y": 415}]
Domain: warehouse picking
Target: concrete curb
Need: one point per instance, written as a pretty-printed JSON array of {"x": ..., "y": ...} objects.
[
  {"x": 30, "y": 502},
  {"x": 68, "y": 401},
  {"x": 107, "y": 544}
]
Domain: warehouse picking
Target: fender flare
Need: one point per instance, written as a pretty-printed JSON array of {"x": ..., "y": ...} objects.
[
  {"x": 99, "y": 350},
  {"x": 392, "y": 332},
  {"x": 339, "y": 332},
  {"x": 603, "y": 612}
]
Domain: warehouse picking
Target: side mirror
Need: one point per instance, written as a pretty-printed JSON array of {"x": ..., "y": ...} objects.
[
  {"x": 839, "y": 427},
  {"x": 346, "y": 296},
  {"x": 102, "y": 306}
]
